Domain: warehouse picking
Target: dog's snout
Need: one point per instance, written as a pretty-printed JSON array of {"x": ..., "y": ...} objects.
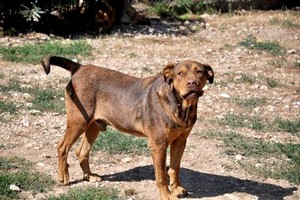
[{"x": 192, "y": 83}]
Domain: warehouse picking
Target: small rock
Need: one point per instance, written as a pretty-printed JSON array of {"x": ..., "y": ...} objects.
[
  {"x": 25, "y": 123},
  {"x": 257, "y": 109},
  {"x": 238, "y": 157},
  {"x": 29, "y": 145},
  {"x": 224, "y": 95},
  {"x": 14, "y": 188},
  {"x": 209, "y": 50},
  {"x": 34, "y": 112},
  {"x": 45, "y": 156},
  {"x": 27, "y": 96},
  {"x": 258, "y": 165},
  {"x": 291, "y": 51},
  {"x": 126, "y": 160},
  {"x": 263, "y": 87},
  {"x": 203, "y": 25},
  {"x": 28, "y": 105},
  {"x": 296, "y": 104},
  {"x": 187, "y": 22},
  {"x": 41, "y": 164},
  {"x": 270, "y": 108}
]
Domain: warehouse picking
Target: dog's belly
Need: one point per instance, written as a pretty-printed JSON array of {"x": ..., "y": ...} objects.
[{"x": 125, "y": 125}]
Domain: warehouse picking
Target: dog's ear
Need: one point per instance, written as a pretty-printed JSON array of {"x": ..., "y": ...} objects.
[
  {"x": 168, "y": 73},
  {"x": 209, "y": 73}
]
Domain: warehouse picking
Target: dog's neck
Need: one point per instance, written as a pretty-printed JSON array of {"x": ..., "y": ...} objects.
[{"x": 185, "y": 111}]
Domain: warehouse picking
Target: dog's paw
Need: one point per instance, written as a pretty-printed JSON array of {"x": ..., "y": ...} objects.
[
  {"x": 95, "y": 178},
  {"x": 92, "y": 178},
  {"x": 63, "y": 179},
  {"x": 169, "y": 197},
  {"x": 179, "y": 191}
]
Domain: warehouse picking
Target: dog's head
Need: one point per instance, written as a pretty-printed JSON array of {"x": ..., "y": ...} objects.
[{"x": 188, "y": 78}]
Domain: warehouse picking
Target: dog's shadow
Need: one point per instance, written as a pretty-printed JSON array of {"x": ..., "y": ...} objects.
[{"x": 207, "y": 185}]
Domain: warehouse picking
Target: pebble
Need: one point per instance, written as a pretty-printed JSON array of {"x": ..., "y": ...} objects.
[
  {"x": 238, "y": 157},
  {"x": 40, "y": 164},
  {"x": 263, "y": 87},
  {"x": 291, "y": 51},
  {"x": 224, "y": 95},
  {"x": 34, "y": 112},
  {"x": 258, "y": 165},
  {"x": 296, "y": 104},
  {"x": 127, "y": 160},
  {"x": 209, "y": 50},
  {"x": 14, "y": 188},
  {"x": 27, "y": 96},
  {"x": 45, "y": 155},
  {"x": 270, "y": 108},
  {"x": 29, "y": 145}
]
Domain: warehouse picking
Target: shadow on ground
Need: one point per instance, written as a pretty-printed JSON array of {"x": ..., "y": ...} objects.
[
  {"x": 208, "y": 185},
  {"x": 158, "y": 28}
]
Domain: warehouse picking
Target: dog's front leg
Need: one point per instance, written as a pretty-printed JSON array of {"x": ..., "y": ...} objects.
[
  {"x": 176, "y": 152},
  {"x": 158, "y": 152}
]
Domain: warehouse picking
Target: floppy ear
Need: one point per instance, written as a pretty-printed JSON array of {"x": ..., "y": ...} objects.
[
  {"x": 209, "y": 73},
  {"x": 168, "y": 73}
]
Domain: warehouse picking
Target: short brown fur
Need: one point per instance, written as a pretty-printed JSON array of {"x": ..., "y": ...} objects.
[{"x": 162, "y": 108}]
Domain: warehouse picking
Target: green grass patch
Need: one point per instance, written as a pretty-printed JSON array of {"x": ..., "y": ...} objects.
[
  {"x": 88, "y": 193},
  {"x": 290, "y": 126},
  {"x": 287, "y": 155},
  {"x": 181, "y": 9},
  {"x": 44, "y": 100},
  {"x": 160, "y": 9},
  {"x": 8, "y": 107},
  {"x": 20, "y": 172},
  {"x": 286, "y": 23},
  {"x": 250, "y": 102},
  {"x": 257, "y": 148},
  {"x": 47, "y": 100},
  {"x": 272, "y": 82},
  {"x": 246, "y": 78},
  {"x": 113, "y": 142},
  {"x": 33, "y": 53},
  {"x": 234, "y": 121},
  {"x": 272, "y": 47},
  {"x": 12, "y": 85}
]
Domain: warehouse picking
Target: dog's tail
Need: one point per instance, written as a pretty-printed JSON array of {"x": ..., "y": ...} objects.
[{"x": 61, "y": 62}]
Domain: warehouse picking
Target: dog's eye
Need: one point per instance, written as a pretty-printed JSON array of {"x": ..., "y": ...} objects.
[
  {"x": 199, "y": 71},
  {"x": 179, "y": 73}
]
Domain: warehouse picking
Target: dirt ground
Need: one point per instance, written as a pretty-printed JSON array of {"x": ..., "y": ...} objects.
[{"x": 207, "y": 172}]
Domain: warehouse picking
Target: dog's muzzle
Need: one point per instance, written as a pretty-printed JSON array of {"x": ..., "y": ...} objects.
[{"x": 193, "y": 94}]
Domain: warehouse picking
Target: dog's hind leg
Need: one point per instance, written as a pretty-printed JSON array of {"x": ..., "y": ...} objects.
[
  {"x": 75, "y": 127},
  {"x": 83, "y": 151}
]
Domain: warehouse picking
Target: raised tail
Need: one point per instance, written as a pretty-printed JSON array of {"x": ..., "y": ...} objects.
[{"x": 61, "y": 62}]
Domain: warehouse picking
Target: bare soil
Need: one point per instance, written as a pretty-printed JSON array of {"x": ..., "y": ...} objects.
[{"x": 207, "y": 172}]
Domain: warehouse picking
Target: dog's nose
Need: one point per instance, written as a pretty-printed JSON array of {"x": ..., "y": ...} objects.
[{"x": 192, "y": 83}]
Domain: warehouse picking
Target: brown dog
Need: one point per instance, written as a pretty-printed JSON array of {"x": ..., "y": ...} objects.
[{"x": 162, "y": 108}]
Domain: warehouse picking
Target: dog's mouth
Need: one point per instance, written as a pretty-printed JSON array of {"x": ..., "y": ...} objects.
[{"x": 193, "y": 94}]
